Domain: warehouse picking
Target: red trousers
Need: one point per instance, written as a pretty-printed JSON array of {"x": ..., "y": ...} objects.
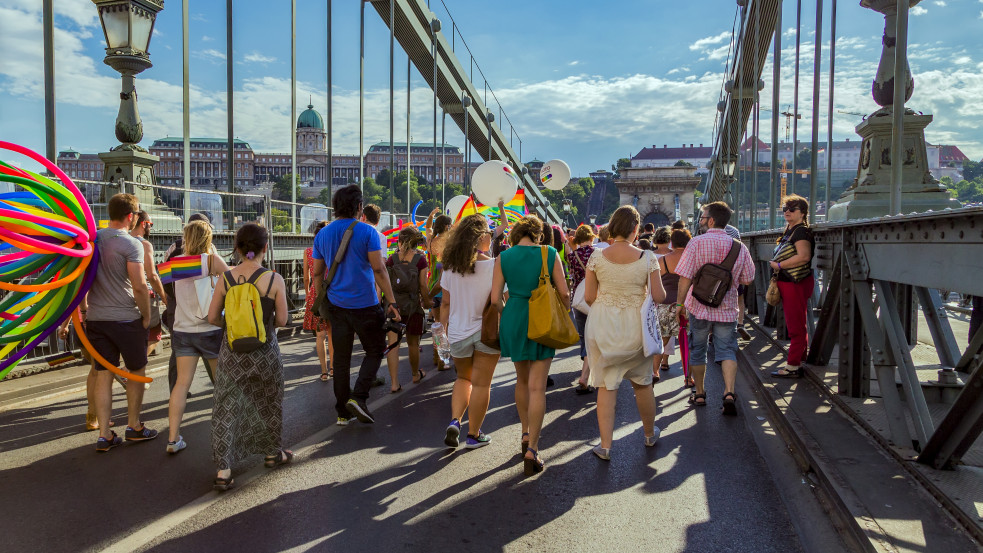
[{"x": 795, "y": 302}]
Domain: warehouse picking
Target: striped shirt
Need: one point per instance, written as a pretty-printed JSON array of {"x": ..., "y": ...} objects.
[{"x": 713, "y": 247}]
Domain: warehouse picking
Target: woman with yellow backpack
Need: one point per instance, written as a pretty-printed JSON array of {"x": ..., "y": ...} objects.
[{"x": 248, "y": 414}]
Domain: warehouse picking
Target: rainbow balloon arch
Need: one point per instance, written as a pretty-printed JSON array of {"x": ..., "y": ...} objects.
[{"x": 48, "y": 260}]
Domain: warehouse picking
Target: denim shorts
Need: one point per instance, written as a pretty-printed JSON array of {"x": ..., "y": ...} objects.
[
  {"x": 724, "y": 341},
  {"x": 197, "y": 344},
  {"x": 465, "y": 348},
  {"x": 580, "y": 320}
]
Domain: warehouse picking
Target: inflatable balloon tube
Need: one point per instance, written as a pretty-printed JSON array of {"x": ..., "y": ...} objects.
[{"x": 48, "y": 260}]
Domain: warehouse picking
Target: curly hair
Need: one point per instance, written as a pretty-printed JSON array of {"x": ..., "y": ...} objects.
[
  {"x": 662, "y": 235},
  {"x": 410, "y": 237},
  {"x": 461, "y": 250},
  {"x": 680, "y": 237},
  {"x": 529, "y": 226},
  {"x": 797, "y": 202}
]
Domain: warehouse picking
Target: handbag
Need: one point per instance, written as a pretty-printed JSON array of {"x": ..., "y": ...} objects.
[
  {"x": 785, "y": 250},
  {"x": 651, "y": 331},
  {"x": 579, "y": 302},
  {"x": 549, "y": 321},
  {"x": 321, "y": 304},
  {"x": 490, "y": 318},
  {"x": 773, "y": 296}
]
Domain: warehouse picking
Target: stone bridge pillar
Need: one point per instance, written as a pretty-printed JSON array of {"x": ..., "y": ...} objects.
[{"x": 660, "y": 194}]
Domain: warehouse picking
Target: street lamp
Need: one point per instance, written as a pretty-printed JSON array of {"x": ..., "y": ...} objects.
[
  {"x": 128, "y": 26},
  {"x": 592, "y": 219}
]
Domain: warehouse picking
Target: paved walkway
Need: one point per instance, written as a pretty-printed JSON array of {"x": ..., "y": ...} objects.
[{"x": 392, "y": 485}]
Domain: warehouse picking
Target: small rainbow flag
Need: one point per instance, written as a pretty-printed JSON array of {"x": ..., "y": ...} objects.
[
  {"x": 59, "y": 358},
  {"x": 178, "y": 268}
]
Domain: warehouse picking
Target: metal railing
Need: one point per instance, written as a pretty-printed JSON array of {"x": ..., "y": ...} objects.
[{"x": 873, "y": 278}]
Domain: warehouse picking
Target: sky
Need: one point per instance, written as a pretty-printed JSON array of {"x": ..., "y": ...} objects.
[{"x": 585, "y": 82}]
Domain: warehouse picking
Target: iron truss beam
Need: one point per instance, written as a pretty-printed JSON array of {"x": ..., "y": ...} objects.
[
  {"x": 412, "y": 31},
  {"x": 749, "y": 62}
]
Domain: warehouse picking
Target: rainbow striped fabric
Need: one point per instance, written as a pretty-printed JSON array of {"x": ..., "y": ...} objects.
[
  {"x": 515, "y": 208},
  {"x": 178, "y": 268}
]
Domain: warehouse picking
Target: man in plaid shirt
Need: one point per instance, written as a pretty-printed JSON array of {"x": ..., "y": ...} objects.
[{"x": 713, "y": 247}]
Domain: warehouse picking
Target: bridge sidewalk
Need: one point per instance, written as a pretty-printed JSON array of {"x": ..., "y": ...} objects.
[{"x": 880, "y": 500}]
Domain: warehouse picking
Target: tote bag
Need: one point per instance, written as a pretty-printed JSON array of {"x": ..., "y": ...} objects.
[
  {"x": 651, "y": 332},
  {"x": 579, "y": 303},
  {"x": 205, "y": 287},
  {"x": 549, "y": 322}
]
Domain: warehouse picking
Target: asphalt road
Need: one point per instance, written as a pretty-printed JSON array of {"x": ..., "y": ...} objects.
[{"x": 393, "y": 486}]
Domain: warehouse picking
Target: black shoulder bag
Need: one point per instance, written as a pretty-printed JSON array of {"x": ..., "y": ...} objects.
[{"x": 321, "y": 304}]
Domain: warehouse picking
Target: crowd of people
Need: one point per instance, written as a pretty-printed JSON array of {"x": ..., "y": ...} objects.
[{"x": 474, "y": 282}]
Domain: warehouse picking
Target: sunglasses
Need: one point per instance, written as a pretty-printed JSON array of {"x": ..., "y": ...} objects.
[
  {"x": 148, "y": 224},
  {"x": 786, "y": 209}
]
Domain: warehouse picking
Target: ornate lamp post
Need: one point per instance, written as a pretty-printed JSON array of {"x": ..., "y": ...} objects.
[
  {"x": 870, "y": 195},
  {"x": 128, "y": 26}
]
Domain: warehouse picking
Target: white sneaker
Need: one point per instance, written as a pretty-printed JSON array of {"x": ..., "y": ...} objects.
[
  {"x": 651, "y": 440},
  {"x": 174, "y": 447}
]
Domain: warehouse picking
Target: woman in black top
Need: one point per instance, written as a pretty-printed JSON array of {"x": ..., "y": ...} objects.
[{"x": 792, "y": 265}]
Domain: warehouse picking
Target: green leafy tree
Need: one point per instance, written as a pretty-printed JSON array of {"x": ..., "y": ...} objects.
[
  {"x": 972, "y": 170},
  {"x": 683, "y": 163},
  {"x": 281, "y": 220},
  {"x": 281, "y": 188}
]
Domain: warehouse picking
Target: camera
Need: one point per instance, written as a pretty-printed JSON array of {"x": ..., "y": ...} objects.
[{"x": 395, "y": 327}]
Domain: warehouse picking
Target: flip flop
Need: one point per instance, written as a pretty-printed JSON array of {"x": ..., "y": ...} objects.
[
  {"x": 282, "y": 458},
  {"x": 420, "y": 377},
  {"x": 397, "y": 390},
  {"x": 730, "y": 404},
  {"x": 325, "y": 377},
  {"x": 223, "y": 484}
]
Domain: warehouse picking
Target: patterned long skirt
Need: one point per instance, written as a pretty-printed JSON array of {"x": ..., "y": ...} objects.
[{"x": 247, "y": 417}]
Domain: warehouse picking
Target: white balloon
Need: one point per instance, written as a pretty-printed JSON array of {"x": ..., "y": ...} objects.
[
  {"x": 455, "y": 204},
  {"x": 555, "y": 174},
  {"x": 494, "y": 181}
]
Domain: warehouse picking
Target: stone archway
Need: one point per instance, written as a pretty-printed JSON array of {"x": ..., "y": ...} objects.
[{"x": 657, "y": 218}]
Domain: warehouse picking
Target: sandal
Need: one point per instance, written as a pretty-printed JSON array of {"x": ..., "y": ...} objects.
[
  {"x": 223, "y": 484},
  {"x": 690, "y": 383},
  {"x": 695, "y": 399},
  {"x": 583, "y": 389},
  {"x": 655, "y": 378},
  {"x": 785, "y": 373},
  {"x": 419, "y": 377},
  {"x": 534, "y": 465},
  {"x": 397, "y": 390},
  {"x": 730, "y": 403},
  {"x": 284, "y": 457},
  {"x": 525, "y": 443},
  {"x": 330, "y": 373},
  {"x": 325, "y": 377},
  {"x": 665, "y": 366}
]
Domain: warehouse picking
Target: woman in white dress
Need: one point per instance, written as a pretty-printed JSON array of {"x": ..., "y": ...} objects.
[{"x": 618, "y": 277}]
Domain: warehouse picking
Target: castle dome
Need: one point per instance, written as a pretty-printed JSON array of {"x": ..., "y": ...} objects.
[{"x": 310, "y": 119}]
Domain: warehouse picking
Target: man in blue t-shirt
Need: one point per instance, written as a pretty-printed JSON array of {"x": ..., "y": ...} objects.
[{"x": 355, "y": 307}]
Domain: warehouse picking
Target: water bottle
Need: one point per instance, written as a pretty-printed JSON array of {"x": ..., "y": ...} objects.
[{"x": 441, "y": 343}]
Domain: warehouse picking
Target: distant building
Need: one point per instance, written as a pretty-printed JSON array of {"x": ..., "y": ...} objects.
[
  {"x": 698, "y": 156},
  {"x": 534, "y": 167},
  {"x": 209, "y": 158},
  {"x": 421, "y": 160},
  {"x": 80, "y": 166}
]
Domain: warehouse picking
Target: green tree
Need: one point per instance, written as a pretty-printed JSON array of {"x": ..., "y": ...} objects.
[
  {"x": 280, "y": 219},
  {"x": 683, "y": 163},
  {"x": 972, "y": 170},
  {"x": 621, "y": 164},
  {"x": 281, "y": 188}
]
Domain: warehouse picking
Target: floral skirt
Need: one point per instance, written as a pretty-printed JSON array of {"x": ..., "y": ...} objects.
[{"x": 668, "y": 322}]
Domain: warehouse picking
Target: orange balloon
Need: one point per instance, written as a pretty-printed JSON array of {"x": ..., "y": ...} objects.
[
  {"x": 47, "y": 285},
  {"x": 102, "y": 360}
]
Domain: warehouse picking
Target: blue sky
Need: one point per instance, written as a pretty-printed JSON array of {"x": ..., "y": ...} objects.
[{"x": 581, "y": 81}]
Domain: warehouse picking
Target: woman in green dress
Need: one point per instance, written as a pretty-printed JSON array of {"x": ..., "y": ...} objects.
[{"x": 519, "y": 268}]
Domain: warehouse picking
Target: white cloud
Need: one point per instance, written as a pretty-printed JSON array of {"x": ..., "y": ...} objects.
[
  {"x": 703, "y": 43},
  {"x": 206, "y": 38},
  {"x": 918, "y": 10},
  {"x": 573, "y": 63},
  {"x": 212, "y": 55},
  {"x": 940, "y": 3},
  {"x": 256, "y": 57}
]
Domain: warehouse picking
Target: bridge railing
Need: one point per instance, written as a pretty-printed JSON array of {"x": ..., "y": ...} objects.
[{"x": 875, "y": 279}]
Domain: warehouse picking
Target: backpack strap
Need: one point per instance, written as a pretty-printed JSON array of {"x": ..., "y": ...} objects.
[
  {"x": 731, "y": 259},
  {"x": 342, "y": 249},
  {"x": 256, "y": 276},
  {"x": 229, "y": 280}
]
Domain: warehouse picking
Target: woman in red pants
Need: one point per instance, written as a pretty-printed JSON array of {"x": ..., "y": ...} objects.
[{"x": 792, "y": 264}]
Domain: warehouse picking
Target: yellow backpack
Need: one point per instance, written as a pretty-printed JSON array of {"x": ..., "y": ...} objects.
[{"x": 244, "y": 324}]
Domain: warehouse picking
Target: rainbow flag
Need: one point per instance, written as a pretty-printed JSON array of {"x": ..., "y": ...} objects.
[
  {"x": 59, "y": 358},
  {"x": 515, "y": 208},
  {"x": 178, "y": 268}
]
